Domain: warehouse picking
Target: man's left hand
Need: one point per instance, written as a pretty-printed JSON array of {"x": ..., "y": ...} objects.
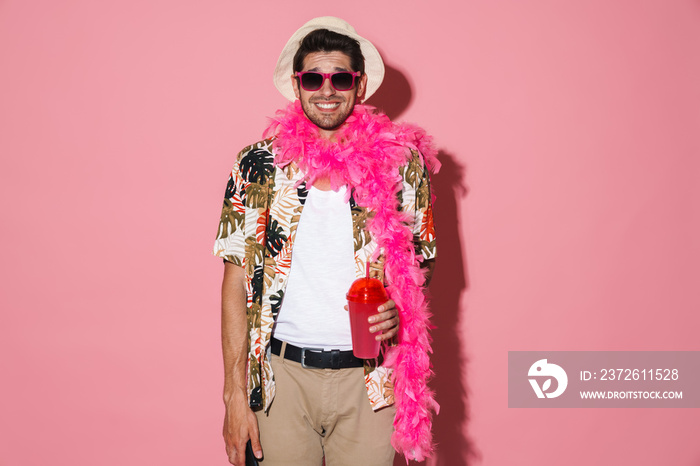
[{"x": 386, "y": 321}]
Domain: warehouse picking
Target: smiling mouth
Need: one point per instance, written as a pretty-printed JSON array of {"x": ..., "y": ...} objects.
[{"x": 327, "y": 105}]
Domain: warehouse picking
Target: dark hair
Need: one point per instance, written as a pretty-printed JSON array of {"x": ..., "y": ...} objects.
[{"x": 323, "y": 40}]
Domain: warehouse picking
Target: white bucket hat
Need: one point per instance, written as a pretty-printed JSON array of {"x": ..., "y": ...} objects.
[{"x": 374, "y": 66}]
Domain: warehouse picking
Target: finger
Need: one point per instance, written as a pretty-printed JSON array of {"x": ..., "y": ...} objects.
[
  {"x": 388, "y": 335},
  {"x": 240, "y": 454},
  {"x": 387, "y": 305},
  {"x": 383, "y": 316},
  {"x": 255, "y": 442},
  {"x": 230, "y": 449},
  {"x": 236, "y": 451},
  {"x": 235, "y": 458},
  {"x": 386, "y": 325}
]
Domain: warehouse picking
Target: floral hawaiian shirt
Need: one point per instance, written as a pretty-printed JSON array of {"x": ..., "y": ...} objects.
[{"x": 262, "y": 207}]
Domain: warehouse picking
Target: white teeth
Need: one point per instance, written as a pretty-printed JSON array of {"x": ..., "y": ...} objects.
[{"x": 328, "y": 106}]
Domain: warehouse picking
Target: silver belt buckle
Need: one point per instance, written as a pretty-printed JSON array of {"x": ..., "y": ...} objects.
[{"x": 303, "y": 356}]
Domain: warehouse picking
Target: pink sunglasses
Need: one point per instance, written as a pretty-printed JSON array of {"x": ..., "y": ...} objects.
[{"x": 340, "y": 80}]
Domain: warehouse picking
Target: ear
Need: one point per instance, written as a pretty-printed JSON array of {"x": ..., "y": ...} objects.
[
  {"x": 295, "y": 86},
  {"x": 361, "y": 87}
]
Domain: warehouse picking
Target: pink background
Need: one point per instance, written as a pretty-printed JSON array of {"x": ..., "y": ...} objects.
[{"x": 567, "y": 212}]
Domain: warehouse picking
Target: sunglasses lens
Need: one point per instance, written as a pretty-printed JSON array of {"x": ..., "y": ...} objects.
[
  {"x": 311, "y": 81},
  {"x": 342, "y": 81}
]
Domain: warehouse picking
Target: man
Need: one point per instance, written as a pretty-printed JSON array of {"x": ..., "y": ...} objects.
[{"x": 332, "y": 188}]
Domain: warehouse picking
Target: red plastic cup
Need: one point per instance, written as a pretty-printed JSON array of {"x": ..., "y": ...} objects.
[{"x": 365, "y": 296}]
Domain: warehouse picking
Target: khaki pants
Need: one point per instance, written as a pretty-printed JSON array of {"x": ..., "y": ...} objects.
[{"x": 319, "y": 412}]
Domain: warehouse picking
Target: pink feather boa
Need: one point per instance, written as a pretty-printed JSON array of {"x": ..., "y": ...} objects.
[{"x": 366, "y": 156}]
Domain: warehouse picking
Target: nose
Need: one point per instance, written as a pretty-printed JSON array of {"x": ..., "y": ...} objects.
[{"x": 327, "y": 89}]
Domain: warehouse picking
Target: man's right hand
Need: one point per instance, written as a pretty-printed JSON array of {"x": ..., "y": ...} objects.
[{"x": 240, "y": 424}]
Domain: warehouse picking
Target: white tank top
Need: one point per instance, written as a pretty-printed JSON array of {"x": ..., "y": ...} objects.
[{"x": 312, "y": 313}]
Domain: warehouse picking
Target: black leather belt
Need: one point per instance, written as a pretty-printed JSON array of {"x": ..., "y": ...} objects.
[{"x": 317, "y": 358}]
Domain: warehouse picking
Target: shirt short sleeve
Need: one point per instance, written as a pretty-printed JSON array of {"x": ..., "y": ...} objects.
[{"x": 230, "y": 237}]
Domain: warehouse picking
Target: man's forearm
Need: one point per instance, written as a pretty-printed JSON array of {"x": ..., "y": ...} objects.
[
  {"x": 240, "y": 424},
  {"x": 233, "y": 330}
]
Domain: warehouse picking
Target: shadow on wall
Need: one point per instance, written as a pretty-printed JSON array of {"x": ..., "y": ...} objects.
[
  {"x": 450, "y": 281},
  {"x": 394, "y": 95}
]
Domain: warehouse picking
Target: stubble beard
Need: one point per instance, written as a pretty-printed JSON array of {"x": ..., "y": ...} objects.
[{"x": 327, "y": 122}]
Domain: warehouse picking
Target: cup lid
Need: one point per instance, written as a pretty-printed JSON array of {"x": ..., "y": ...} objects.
[{"x": 367, "y": 290}]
